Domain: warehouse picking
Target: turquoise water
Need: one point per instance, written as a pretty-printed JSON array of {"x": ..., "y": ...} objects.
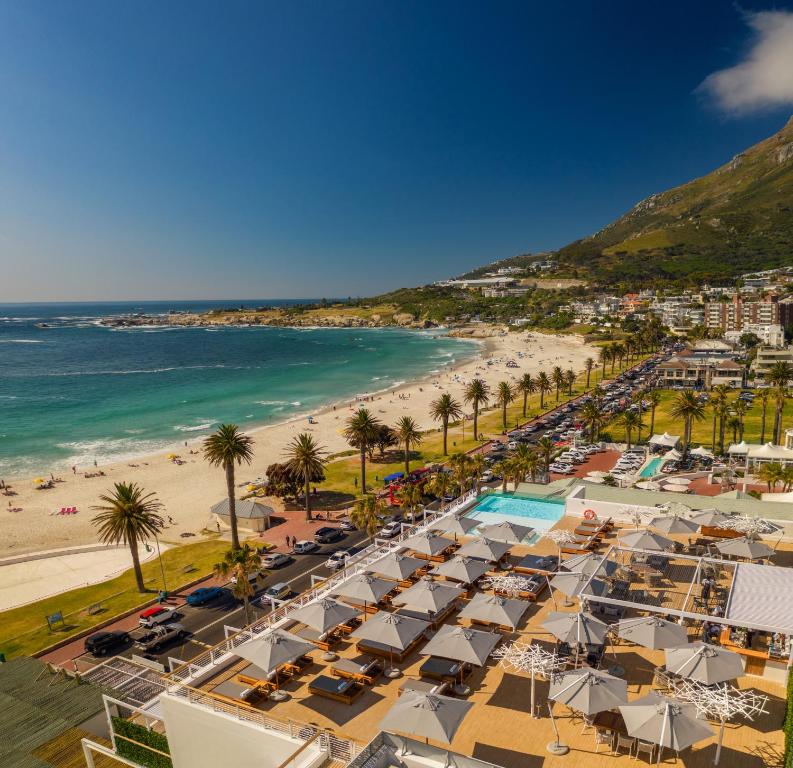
[
  {"x": 540, "y": 514},
  {"x": 75, "y": 392},
  {"x": 653, "y": 468}
]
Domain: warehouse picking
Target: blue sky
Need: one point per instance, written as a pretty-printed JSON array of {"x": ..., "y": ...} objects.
[{"x": 307, "y": 149}]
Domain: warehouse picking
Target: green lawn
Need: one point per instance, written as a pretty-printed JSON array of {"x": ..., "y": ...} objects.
[{"x": 24, "y": 631}]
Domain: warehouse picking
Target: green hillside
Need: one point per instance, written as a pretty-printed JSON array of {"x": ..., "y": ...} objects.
[{"x": 736, "y": 219}]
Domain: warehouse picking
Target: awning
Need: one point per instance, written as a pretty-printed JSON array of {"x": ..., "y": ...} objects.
[
  {"x": 760, "y": 598},
  {"x": 393, "y": 476},
  {"x": 738, "y": 449},
  {"x": 666, "y": 440},
  {"x": 770, "y": 452}
]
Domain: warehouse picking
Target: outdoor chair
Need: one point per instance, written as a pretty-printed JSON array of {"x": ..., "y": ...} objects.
[
  {"x": 604, "y": 737},
  {"x": 647, "y": 747},
  {"x": 624, "y": 742},
  {"x": 589, "y": 722}
]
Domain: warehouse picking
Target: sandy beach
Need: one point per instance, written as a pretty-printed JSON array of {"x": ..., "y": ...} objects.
[{"x": 187, "y": 490}]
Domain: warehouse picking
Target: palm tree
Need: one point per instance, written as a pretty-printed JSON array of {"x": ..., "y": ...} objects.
[
  {"x": 526, "y": 386},
  {"x": 546, "y": 448},
  {"x": 629, "y": 420},
  {"x": 688, "y": 407},
  {"x": 445, "y": 409},
  {"x": 734, "y": 423},
  {"x": 365, "y": 515},
  {"x": 440, "y": 485},
  {"x": 594, "y": 417},
  {"x": 504, "y": 396},
  {"x": 502, "y": 469},
  {"x": 460, "y": 464},
  {"x": 527, "y": 461},
  {"x": 770, "y": 473},
  {"x": 543, "y": 386},
  {"x": 740, "y": 407},
  {"x": 557, "y": 376},
  {"x": 719, "y": 398},
  {"x": 409, "y": 434},
  {"x": 779, "y": 376},
  {"x": 477, "y": 466},
  {"x": 787, "y": 478},
  {"x": 569, "y": 380},
  {"x": 239, "y": 564},
  {"x": 361, "y": 432},
  {"x": 128, "y": 516},
  {"x": 763, "y": 396},
  {"x": 653, "y": 397},
  {"x": 605, "y": 355},
  {"x": 589, "y": 364},
  {"x": 411, "y": 499},
  {"x": 478, "y": 394},
  {"x": 225, "y": 448},
  {"x": 306, "y": 459}
]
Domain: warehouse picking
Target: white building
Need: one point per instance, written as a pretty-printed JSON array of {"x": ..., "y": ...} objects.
[{"x": 770, "y": 335}]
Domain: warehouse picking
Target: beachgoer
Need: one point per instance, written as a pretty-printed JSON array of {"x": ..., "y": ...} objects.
[
  {"x": 218, "y": 525},
  {"x": 74, "y": 470}
]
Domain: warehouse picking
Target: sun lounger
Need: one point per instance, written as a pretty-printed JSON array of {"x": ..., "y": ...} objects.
[
  {"x": 422, "y": 686},
  {"x": 581, "y": 548},
  {"x": 323, "y": 641},
  {"x": 348, "y": 669},
  {"x": 349, "y": 626},
  {"x": 444, "y": 670},
  {"x": 503, "y": 628},
  {"x": 532, "y": 564},
  {"x": 435, "y": 619},
  {"x": 345, "y": 691},
  {"x": 386, "y": 651}
]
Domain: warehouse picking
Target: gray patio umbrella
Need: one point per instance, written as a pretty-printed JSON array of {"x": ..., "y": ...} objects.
[
  {"x": 745, "y": 547},
  {"x": 506, "y": 531},
  {"x": 576, "y": 628},
  {"x": 485, "y": 549},
  {"x": 652, "y": 632},
  {"x": 459, "y": 526},
  {"x": 428, "y": 715},
  {"x": 589, "y": 691},
  {"x": 572, "y": 583},
  {"x": 666, "y": 722},
  {"x": 646, "y": 540},
  {"x": 465, "y": 569},
  {"x": 273, "y": 650},
  {"x": 398, "y": 567},
  {"x": 427, "y": 595},
  {"x": 495, "y": 610},
  {"x": 326, "y": 614},
  {"x": 710, "y": 518},
  {"x": 674, "y": 524},
  {"x": 707, "y": 664},
  {"x": 591, "y": 563},
  {"x": 462, "y": 644},
  {"x": 390, "y": 629},
  {"x": 426, "y": 543},
  {"x": 365, "y": 587}
]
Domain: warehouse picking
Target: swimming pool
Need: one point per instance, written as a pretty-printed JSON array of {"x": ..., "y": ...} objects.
[
  {"x": 653, "y": 468},
  {"x": 540, "y": 514}
]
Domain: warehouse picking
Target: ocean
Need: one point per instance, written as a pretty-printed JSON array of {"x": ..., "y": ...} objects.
[{"x": 77, "y": 392}]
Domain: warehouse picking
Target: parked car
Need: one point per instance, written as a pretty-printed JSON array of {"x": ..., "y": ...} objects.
[
  {"x": 253, "y": 578},
  {"x": 159, "y": 614},
  {"x": 304, "y": 547},
  {"x": 102, "y": 643},
  {"x": 337, "y": 560},
  {"x": 153, "y": 638},
  {"x": 204, "y": 595},
  {"x": 278, "y": 591},
  {"x": 327, "y": 535},
  {"x": 275, "y": 559},
  {"x": 389, "y": 530},
  {"x": 347, "y": 525}
]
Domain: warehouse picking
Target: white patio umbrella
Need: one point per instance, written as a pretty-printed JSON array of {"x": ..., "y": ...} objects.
[
  {"x": 493, "y": 609},
  {"x": 485, "y": 549},
  {"x": 643, "y": 539},
  {"x": 506, "y": 531},
  {"x": 464, "y": 569},
  {"x": 745, "y": 547},
  {"x": 427, "y": 595},
  {"x": 589, "y": 691},
  {"x": 366, "y": 588},
  {"x": 677, "y": 481},
  {"x": 397, "y": 567},
  {"x": 428, "y": 715},
  {"x": 652, "y": 632},
  {"x": 672, "y": 488},
  {"x": 470, "y": 646},
  {"x": 705, "y": 663}
]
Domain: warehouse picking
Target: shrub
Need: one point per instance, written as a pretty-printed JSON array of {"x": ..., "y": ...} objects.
[{"x": 137, "y": 753}]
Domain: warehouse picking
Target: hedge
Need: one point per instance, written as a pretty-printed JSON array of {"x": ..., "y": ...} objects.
[
  {"x": 787, "y": 727},
  {"x": 140, "y": 754}
]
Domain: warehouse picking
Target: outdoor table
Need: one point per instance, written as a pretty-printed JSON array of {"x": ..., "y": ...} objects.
[
  {"x": 644, "y": 569},
  {"x": 610, "y": 721},
  {"x": 436, "y": 668}
]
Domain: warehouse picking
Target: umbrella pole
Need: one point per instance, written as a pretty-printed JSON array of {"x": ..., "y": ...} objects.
[
  {"x": 556, "y": 747},
  {"x": 719, "y": 743},
  {"x": 533, "y": 710}
]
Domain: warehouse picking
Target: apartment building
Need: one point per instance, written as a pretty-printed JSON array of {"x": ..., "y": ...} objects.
[
  {"x": 733, "y": 315},
  {"x": 769, "y": 335},
  {"x": 767, "y": 356}
]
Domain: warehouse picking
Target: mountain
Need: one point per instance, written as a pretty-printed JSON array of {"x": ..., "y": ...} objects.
[{"x": 737, "y": 219}]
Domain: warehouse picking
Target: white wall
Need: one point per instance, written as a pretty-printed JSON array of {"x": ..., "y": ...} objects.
[{"x": 201, "y": 738}]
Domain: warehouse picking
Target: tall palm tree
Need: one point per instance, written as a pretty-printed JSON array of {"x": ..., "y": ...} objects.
[
  {"x": 504, "y": 396},
  {"x": 734, "y": 423},
  {"x": 589, "y": 364},
  {"x": 605, "y": 355},
  {"x": 361, "y": 432},
  {"x": 740, "y": 407},
  {"x": 688, "y": 407},
  {"x": 527, "y": 460},
  {"x": 526, "y": 386},
  {"x": 543, "y": 387},
  {"x": 306, "y": 459},
  {"x": 460, "y": 464},
  {"x": 770, "y": 473},
  {"x": 477, "y": 393},
  {"x": 629, "y": 420},
  {"x": 763, "y": 397},
  {"x": 365, "y": 515},
  {"x": 240, "y": 563},
  {"x": 557, "y": 376},
  {"x": 653, "y": 397},
  {"x": 440, "y": 485},
  {"x": 225, "y": 448},
  {"x": 593, "y": 416},
  {"x": 477, "y": 466},
  {"x": 502, "y": 469},
  {"x": 409, "y": 434},
  {"x": 569, "y": 380},
  {"x": 546, "y": 448},
  {"x": 411, "y": 499},
  {"x": 719, "y": 399},
  {"x": 779, "y": 376},
  {"x": 128, "y": 516},
  {"x": 444, "y": 410}
]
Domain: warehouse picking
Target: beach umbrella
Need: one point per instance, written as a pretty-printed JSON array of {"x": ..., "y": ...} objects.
[
  {"x": 673, "y": 524},
  {"x": 391, "y": 630},
  {"x": 665, "y": 722},
  {"x": 397, "y": 567},
  {"x": 506, "y": 531},
  {"x": 428, "y": 715},
  {"x": 272, "y": 650},
  {"x": 427, "y": 595},
  {"x": 576, "y": 628},
  {"x": 591, "y": 563},
  {"x": 745, "y": 547},
  {"x": 465, "y": 569},
  {"x": 649, "y": 485},
  {"x": 572, "y": 584},
  {"x": 643, "y": 539},
  {"x": 485, "y": 549},
  {"x": 462, "y": 644},
  {"x": 588, "y": 691},
  {"x": 493, "y": 609},
  {"x": 652, "y": 632},
  {"x": 459, "y": 526},
  {"x": 365, "y": 587},
  {"x": 710, "y": 518},
  {"x": 707, "y": 664},
  {"x": 427, "y": 543},
  {"x": 325, "y": 614}
]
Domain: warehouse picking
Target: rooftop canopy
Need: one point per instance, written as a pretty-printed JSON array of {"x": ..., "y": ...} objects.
[{"x": 665, "y": 441}]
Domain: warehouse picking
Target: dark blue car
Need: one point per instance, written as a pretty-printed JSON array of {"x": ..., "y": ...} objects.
[{"x": 204, "y": 595}]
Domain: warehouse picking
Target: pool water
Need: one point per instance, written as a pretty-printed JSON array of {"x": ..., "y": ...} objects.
[
  {"x": 540, "y": 514},
  {"x": 653, "y": 468}
]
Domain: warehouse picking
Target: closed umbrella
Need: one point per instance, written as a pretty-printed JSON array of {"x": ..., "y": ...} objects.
[
  {"x": 576, "y": 628},
  {"x": 495, "y": 610},
  {"x": 325, "y": 614},
  {"x": 506, "y": 531},
  {"x": 746, "y": 548},
  {"x": 397, "y": 567},
  {"x": 589, "y": 691},
  {"x": 677, "y": 481},
  {"x": 459, "y": 526},
  {"x": 710, "y": 518},
  {"x": 646, "y": 540},
  {"x": 428, "y": 715},
  {"x": 674, "y": 524},
  {"x": 591, "y": 564},
  {"x": 470, "y": 646},
  {"x": 427, "y": 543},
  {"x": 665, "y": 722},
  {"x": 465, "y": 569},
  {"x": 485, "y": 549},
  {"x": 707, "y": 664},
  {"x": 428, "y": 596},
  {"x": 391, "y": 630},
  {"x": 652, "y": 632}
]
